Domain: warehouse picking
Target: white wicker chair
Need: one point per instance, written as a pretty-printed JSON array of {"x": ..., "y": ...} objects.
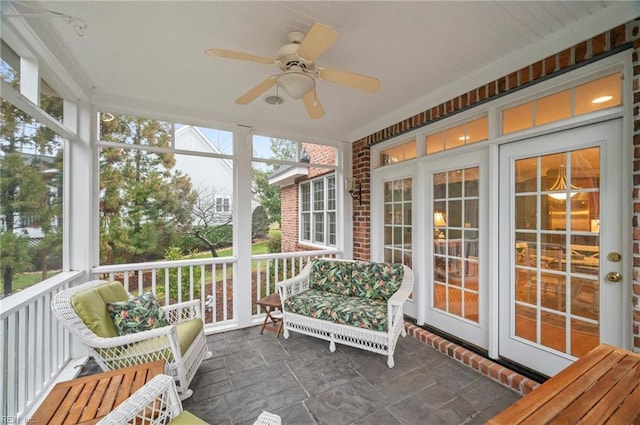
[
  {"x": 267, "y": 418},
  {"x": 142, "y": 347},
  {"x": 156, "y": 403}
]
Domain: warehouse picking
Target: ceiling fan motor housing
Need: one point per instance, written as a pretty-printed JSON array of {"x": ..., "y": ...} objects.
[{"x": 288, "y": 55}]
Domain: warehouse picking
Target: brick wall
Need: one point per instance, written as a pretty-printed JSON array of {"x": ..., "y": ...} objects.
[
  {"x": 634, "y": 33},
  {"x": 318, "y": 154},
  {"x": 589, "y": 50},
  {"x": 289, "y": 217}
]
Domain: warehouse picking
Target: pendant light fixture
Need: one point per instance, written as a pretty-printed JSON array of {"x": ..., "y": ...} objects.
[{"x": 560, "y": 185}]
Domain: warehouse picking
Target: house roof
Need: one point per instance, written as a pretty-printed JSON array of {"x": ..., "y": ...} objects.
[{"x": 148, "y": 57}]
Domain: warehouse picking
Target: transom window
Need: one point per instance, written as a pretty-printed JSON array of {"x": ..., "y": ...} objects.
[
  {"x": 460, "y": 135},
  {"x": 398, "y": 153},
  {"x": 589, "y": 97}
]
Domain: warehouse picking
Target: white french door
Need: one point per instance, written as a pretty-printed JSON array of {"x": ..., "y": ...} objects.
[
  {"x": 456, "y": 291},
  {"x": 561, "y": 281}
]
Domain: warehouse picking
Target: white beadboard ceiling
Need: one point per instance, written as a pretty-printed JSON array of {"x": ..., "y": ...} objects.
[{"x": 148, "y": 56}]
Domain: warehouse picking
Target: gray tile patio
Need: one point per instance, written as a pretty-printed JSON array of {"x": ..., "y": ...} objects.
[{"x": 303, "y": 382}]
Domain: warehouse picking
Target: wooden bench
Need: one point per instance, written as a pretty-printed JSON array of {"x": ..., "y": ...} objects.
[{"x": 601, "y": 387}]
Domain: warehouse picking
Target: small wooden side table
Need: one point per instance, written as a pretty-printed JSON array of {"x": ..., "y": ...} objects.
[
  {"x": 86, "y": 400},
  {"x": 270, "y": 304}
]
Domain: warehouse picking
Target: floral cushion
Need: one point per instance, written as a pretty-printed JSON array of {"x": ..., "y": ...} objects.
[
  {"x": 361, "y": 312},
  {"x": 356, "y": 279},
  {"x": 137, "y": 314}
]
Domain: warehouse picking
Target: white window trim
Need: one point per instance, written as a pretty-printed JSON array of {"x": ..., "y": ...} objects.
[{"x": 325, "y": 211}]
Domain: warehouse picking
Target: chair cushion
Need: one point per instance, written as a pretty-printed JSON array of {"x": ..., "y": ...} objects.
[
  {"x": 91, "y": 307},
  {"x": 137, "y": 314},
  {"x": 356, "y": 279},
  {"x": 361, "y": 312},
  {"x": 187, "y": 332},
  {"x": 187, "y": 418}
]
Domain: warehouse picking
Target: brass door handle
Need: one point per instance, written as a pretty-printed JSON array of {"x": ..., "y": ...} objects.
[{"x": 614, "y": 277}]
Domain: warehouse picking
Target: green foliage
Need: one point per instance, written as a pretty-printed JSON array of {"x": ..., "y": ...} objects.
[
  {"x": 269, "y": 195},
  {"x": 30, "y": 192},
  {"x": 174, "y": 253},
  {"x": 274, "y": 244},
  {"x": 144, "y": 200},
  {"x": 259, "y": 223}
]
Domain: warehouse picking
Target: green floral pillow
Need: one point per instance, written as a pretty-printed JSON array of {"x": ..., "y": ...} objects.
[{"x": 137, "y": 314}]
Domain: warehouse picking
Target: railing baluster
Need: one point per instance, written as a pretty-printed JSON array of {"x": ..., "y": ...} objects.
[
  {"x": 179, "y": 284},
  {"x": 153, "y": 281},
  {"x": 214, "y": 291},
  {"x": 31, "y": 350},
  {"x": 224, "y": 293},
  {"x": 12, "y": 369},
  {"x": 140, "y": 282},
  {"x": 191, "y": 277},
  {"x": 4, "y": 383}
]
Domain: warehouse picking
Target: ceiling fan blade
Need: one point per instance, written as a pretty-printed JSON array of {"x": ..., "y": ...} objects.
[
  {"x": 349, "y": 79},
  {"x": 313, "y": 105},
  {"x": 251, "y": 95},
  {"x": 318, "y": 39},
  {"x": 232, "y": 54}
]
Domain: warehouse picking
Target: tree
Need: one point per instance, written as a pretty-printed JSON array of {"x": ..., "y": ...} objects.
[
  {"x": 210, "y": 226},
  {"x": 30, "y": 162},
  {"x": 144, "y": 201},
  {"x": 269, "y": 195}
]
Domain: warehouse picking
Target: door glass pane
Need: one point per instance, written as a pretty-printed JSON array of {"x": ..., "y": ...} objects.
[
  {"x": 455, "y": 258},
  {"x": 398, "y": 221},
  {"x": 556, "y": 257}
]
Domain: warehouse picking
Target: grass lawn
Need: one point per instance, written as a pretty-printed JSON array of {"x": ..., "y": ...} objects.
[{"x": 24, "y": 280}]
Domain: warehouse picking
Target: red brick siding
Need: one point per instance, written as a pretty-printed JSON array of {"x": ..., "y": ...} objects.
[
  {"x": 586, "y": 50},
  {"x": 289, "y": 217},
  {"x": 318, "y": 154}
]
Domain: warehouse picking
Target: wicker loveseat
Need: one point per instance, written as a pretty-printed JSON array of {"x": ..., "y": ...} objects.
[
  {"x": 353, "y": 303},
  {"x": 181, "y": 343}
]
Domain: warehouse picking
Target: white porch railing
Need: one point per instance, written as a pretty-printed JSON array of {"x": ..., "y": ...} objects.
[
  {"x": 34, "y": 347},
  {"x": 209, "y": 280},
  {"x": 269, "y": 269}
]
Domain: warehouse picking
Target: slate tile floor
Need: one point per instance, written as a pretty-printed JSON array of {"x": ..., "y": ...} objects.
[{"x": 303, "y": 382}]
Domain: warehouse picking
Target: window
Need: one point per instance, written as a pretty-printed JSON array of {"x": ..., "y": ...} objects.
[
  {"x": 222, "y": 205},
  {"x": 398, "y": 153},
  {"x": 318, "y": 211},
  {"x": 583, "y": 99},
  {"x": 460, "y": 135}
]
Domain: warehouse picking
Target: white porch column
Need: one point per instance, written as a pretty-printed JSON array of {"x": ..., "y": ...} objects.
[
  {"x": 80, "y": 208},
  {"x": 242, "y": 148}
]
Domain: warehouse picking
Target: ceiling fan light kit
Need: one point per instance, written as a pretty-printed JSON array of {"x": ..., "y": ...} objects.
[
  {"x": 296, "y": 83},
  {"x": 296, "y": 61}
]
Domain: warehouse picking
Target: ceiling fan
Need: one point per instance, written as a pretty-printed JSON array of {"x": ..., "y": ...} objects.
[{"x": 299, "y": 73}]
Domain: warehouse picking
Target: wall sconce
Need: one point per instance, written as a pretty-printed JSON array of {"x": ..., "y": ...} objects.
[
  {"x": 355, "y": 191},
  {"x": 438, "y": 221}
]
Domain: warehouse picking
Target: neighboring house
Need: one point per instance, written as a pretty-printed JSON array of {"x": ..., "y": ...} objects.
[
  {"x": 308, "y": 201},
  {"x": 208, "y": 175}
]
